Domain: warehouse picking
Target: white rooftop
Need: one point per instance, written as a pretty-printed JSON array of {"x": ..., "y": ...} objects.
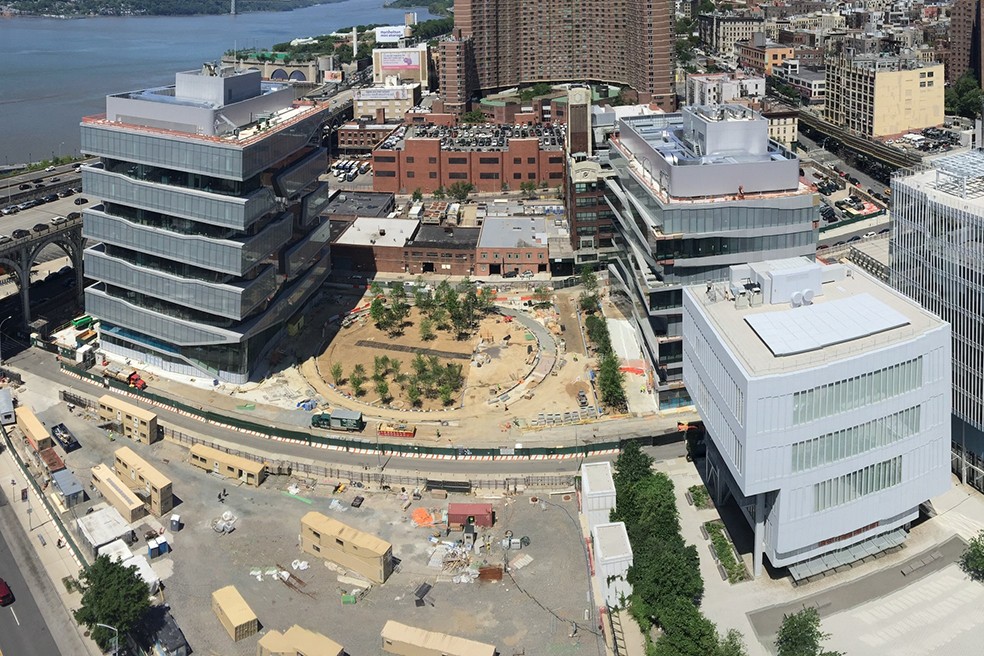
[
  {"x": 813, "y": 327},
  {"x": 596, "y": 478},
  {"x": 379, "y": 232},
  {"x": 850, "y": 312},
  {"x": 116, "y": 550},
  {"x": 612, "y": 542},
  {"x": 103, "y": 526}
]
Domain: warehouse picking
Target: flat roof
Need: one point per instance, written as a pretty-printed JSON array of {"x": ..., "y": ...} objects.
[
  {"x": 449, "y": 237},
  {"x": 66, "y": 482},
  {"x": 470, "y": 508},
  {"x": 135, "y": 410},
  {"x": 123, "y": 493},
  {"x": 514, "y": 232},
  {"x": 597, "y": 478},
  {"x": 324, "y": 524},
  {"x": 757, "y": 359},
  {"x": 441, "y": 643},
  {"x": 374, "y": 231},
  {"x": 31, "y": 422},
  {"x": 239, "y": 462},
  {"x": 135, "y": 462},
  {"x": 612, "y": 541},
  {"x": 813, "y": 327},
  {"x": 301, "y": 640},
  {"x": 953, "y": 180},
  {"x": 360, "y": 203},
  {"x": 233, "y": 605},
  {"x": 103, "y": 526}
]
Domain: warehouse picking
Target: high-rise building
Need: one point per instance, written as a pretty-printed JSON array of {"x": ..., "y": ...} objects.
[
  {"x": 825, "y": 396},
  {"x": 966, "y": 46},
  {"x": 499, "y": 44},
  {"x": 938, "y": 212},
  {"x": 206, "y": 240},
  {"x": 875, "y": 95},
  {"x": 695, "y": 193}
]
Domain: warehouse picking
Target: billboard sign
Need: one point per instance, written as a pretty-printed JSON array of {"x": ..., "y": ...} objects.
[
  {"x": 390, "y": 33},
  {"x": 390, "y": 60},
  {"x": 383, "y": 93}
]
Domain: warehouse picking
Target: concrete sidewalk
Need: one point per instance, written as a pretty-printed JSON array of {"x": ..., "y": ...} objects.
[{"x": 57, "y": 563}]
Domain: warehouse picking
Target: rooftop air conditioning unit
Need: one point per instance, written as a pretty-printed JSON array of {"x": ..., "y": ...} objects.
[{"x": 797, "y": 299}]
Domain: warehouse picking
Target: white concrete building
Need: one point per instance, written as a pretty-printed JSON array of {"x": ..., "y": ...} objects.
[
  {"x": 721, "y": 88},
  {"x": 613, "y": 558},
  {"x": 597, "y": 492},
  {"x": 826, "y": 399}
]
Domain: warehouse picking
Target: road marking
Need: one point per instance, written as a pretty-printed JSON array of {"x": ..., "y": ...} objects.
[{"x": 15, "y": 619}]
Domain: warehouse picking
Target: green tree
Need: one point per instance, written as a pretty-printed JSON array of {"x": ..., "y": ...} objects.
[
  {"x": 632, "y": 465},
  {"x": 383, "y": 389},
  {"x": 800, "y": 635},
  {"x": 611, "y": 382},
  {"x": 972, "y": 559},
  {"x": 376, "y": 288},
  {"x": 357, "y": 378},
  {"x": 474, "y": 116},
  {"x": 528, "y": 188},
  {"x": 439, "y": 193},
  {"x": 447, "y": 394},
  {"x": 417, "y": 195},
  {"x": 413, "y": 393},
  {"x": 419, "y": 366},
  {"x": 460, "y": 191},
  {"x": 337, "y": 373},
  {"x": 963, "y": 97},
  {"x": 377, "y": 312},
  {"x": 426, "y": 329},
  {"x": 439, "y": 316},
  {"x": 589, "y": 279},
  {"x": 541, "y": 295},
  {"x": 380, "y": 365},
  {"x": 111, "y": 594}
]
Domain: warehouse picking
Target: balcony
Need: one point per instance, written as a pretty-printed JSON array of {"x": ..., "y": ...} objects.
[
  {"x": 205, "y": 207},
  {"x": 232, "y": 256}
]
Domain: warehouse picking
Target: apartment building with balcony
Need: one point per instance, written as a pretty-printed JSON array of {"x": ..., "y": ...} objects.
[
  {"x": 825, "y": 395},
  {"x": 695, "y": 193},
  {"x": 880, "y": 94},
  {"x": 499, "y": 44},
  {"x": 206, "y": 238}
]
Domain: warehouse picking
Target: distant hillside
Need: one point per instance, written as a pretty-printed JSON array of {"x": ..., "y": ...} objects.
[
  {"x": 435, "y": 7},
  {"x": 150, "y": 7}
]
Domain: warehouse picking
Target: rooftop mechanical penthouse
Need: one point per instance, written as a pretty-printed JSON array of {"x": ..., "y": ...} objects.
[{"x": 207, "y": 239}]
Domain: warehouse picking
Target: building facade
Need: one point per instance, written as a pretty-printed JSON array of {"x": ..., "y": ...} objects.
[
  {"x": 825, "y": 395},
  {"x": 498, "y": 44},
  {"x": 966, "y": 47},
  {"x": 720, "y": 31},
  {"x": 762, "y": 55},
  {"x": 206, "y": 238},
  {"x": 939, "y": 218},
  {"x": 718, "y": 88},
  {"x": 695, "y": 193},
  {"x": 877, "y": 95}
]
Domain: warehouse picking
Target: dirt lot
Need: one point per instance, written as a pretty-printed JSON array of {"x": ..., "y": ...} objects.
[
  {"x": 500, "y": 348},
  {"x": 507, "y": 613}
]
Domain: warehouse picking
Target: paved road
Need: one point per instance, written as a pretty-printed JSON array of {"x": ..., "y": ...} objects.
[
  {"x": 43, "y": 365},
  {"x": 23, "y": 631}
]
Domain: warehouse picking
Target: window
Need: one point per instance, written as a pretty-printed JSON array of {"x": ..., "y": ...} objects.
[
  {"x": 855, "y": 440},
  {"x": 409, "y": 160},
  {"x": 457, "y": 160},
  {"x": 458, "y": 176},
  {"x": 432, "y": 160},
  {"x": 385, "y": 158},
  {"x": 531, "y": 176},
  {"x": 410, "y": 174},
  {"x": 316, "y": 548},
  {"x": 432, "y": 175},
  {"x": 517, "y": 160},
  {"x": 853, "y": 393},
  {"x": 850, "y": 487},
  {"x": 488, "y": 176},
  {"x": 385, "y": 174},
  {"x": 317, "y": 536},
  {"x": 517, "y": 176},
  {"x": 339, "y": 542},
  {"x": 488, "y": 160}
]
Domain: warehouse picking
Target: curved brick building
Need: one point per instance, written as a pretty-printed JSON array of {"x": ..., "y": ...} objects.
[{"x": 504, "y": 43}]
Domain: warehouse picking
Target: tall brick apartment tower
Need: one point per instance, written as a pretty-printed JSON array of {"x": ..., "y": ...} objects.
[
  {"x": 966, "y": 46},
  {"x": 504, "y": 43}
]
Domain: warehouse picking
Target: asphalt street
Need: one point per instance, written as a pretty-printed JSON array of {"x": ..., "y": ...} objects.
[
  {"x": 42, "y": 364},
  {"x": 23, "y": 630}
]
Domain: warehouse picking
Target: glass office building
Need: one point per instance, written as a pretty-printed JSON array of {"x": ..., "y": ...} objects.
[
  {"x": 698, "y": 192},
  {"x": 207, "y": 237}
]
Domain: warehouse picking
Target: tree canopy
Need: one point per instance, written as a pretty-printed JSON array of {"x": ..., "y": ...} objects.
[
  {"x": 972, "y": 559},
  {"x": 963, "y": 97},
  {"x": 800, "y": 635},
  {"x": 111, "y": 594}
]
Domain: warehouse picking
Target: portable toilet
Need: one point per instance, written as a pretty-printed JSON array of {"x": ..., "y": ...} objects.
[
  {"x": 175, "y": 523},
  {"x": 153, "y": 548}
]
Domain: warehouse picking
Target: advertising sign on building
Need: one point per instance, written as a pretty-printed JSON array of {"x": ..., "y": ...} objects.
[
  {"x": 383, "y": 93},
  {"x": 333, "y": 76},
  {"x": 399, "y": 59},
  {"x": 390, "y": 33}
]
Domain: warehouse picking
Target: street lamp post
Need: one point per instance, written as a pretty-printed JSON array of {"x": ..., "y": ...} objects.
[
  {"x": 1, "y": 338},
  {"x": 116, "y": 637}
]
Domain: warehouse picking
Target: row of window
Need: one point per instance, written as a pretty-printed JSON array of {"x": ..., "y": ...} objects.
[
  {"x": 855, "y": 440},
  {"x": 510, "y": 256},
  {"x": 850, "y": 487},
  {"x": 856, "y": 392}
]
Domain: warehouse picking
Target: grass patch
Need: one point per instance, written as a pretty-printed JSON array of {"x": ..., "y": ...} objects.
[
  {"x": 700, "y": 497},
  {"x": 71, "y": 585},
  {"x": 725, "y": 552}
]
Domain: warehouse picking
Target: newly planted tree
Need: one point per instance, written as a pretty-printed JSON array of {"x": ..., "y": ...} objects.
[{"x": 337, "y": 373}]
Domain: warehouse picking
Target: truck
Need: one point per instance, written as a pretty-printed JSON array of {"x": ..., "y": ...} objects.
[
  {"x": 339, "y": 419},
  {"x": 65, "y": 437},
  {"x": 128, "y": 376}
]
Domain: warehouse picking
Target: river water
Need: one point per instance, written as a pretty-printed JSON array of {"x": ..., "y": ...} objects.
[{"x": 56, "y": 71}]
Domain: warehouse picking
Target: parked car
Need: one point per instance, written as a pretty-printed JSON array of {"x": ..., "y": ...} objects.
[
  {"x": 869, "y": 235},
  {"x": 4, "y": 239},
  {"x": 10, "y": 209},
  {"x": 81, "y": 201},
  {"x": 74, "y": 215},
  {"x": 582, "y": 399},
  {"x": 41, "y": 227},
  {"x": 50, "y": 198},
  {"x": 6, "y": 596},
  {"x": 510, "y": 274},
  {"x": 58, "y": 220},
  {"x": 20, "y": 233}
]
